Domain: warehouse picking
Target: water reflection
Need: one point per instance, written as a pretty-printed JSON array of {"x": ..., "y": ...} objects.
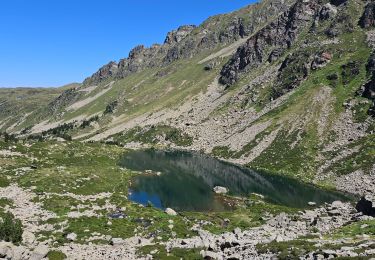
[{"x": 187, "y": 180}]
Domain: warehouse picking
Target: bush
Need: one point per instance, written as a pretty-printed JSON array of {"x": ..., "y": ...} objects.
[
  {"x": 110, "y": 108},
  {"x": 11, "y": 229},
  {"x": 56, "y": 255}
]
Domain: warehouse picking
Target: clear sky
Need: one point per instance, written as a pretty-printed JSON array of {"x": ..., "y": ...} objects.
[{"x": 55, "y": 42}]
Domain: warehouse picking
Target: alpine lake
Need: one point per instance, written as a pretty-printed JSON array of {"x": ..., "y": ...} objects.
[{"x": 185, "y": 181}]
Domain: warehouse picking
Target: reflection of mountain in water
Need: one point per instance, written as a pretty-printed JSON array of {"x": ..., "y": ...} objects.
[{"x": 188, "y": 179}]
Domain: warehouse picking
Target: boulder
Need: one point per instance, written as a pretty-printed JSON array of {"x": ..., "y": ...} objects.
[
  {"x": 5, "y": 249},
  {"x": 170, "y": 212},
  {"x": 117, "y": 241},
  {"x": 39, "y": 252},
  {"x": 366, "y": 205},
  {"x": 28, "y": 238},
  {"x": 71, "y": 236},
  {"x": 337, "y": 204},
  {"x": 220, "y": 190}
]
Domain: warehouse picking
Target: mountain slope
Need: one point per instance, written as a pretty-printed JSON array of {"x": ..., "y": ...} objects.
[{"x": 281, "y": 86}]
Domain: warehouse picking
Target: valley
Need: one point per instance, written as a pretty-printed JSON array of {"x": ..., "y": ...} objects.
[{"x": 271, "y": 106}]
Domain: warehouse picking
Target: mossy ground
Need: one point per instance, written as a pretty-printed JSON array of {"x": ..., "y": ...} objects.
[{"x": 57, "y": 169}]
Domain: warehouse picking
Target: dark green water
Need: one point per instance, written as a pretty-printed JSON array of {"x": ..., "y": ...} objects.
[{"x": 187, "y": 181}]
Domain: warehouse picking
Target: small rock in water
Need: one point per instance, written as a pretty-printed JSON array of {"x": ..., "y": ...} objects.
[
  {"x": 170, "y": 212},
  {"x": 220, "y": 190},
  {"x": 311, "y": 203}
]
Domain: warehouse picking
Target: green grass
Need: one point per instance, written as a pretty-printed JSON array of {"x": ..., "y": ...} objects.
[
  {"x": 56, "y": 255},
  {"x": 287, "y": 250},
  {"x": 354, "y": 229},
  {"x": 174, "y": 254}
]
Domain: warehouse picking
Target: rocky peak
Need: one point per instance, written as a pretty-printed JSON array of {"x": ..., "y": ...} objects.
[
  {"x": 104, "y": 72},
  {"x": 178, "y": 35},
  {"x": 368, "y": 18},
  {"x": 136, "y": 51}
]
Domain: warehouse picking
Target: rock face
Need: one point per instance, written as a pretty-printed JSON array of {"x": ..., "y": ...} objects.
[
  {"x": 368, "y": 18},
  {"x": 366, "y": 205},
  {"x": 270, "y": 42}
]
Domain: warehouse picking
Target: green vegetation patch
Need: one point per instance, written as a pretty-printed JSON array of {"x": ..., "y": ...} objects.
[
  {"x": 159, "y": 252},
  {"x": 10, "y": 229},
  {"x": 150, "y": 135},
  {"x": 56, "y": 255}
]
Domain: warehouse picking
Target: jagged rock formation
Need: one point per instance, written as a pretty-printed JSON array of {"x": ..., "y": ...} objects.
[
  {"x": 106, "y": 71},
  {"x": 270, "y": 42},
  {"x": 178, "y": 35}
]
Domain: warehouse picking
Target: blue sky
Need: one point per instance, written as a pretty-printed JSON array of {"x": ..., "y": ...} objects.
[{"x": 55, "y": 42}]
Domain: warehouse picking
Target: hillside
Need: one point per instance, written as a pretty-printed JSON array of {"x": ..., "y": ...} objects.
[
  {"x": 260, "y": 83},
  {"x": 284, "y": 87}
]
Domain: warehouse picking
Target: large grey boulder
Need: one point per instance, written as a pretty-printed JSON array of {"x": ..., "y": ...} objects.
[
  {"x": 170, "y": 212},
  {"x": 39, "y": 252},
  {"x": 220, "y": 190},
  {"x": 28, "y": 238},
  {"x": 71, "y": 236}
]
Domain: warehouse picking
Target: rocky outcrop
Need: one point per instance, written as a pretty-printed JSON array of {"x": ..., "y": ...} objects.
[
  {"x": 295, "y": 69},
  {"x": 104, "y": 72},
  {"x": 368, "y": 18},
  {"x": 328, "y": 11},
  {"x": 271, "y": 41},
  {"x": 366, "y": 205},
  {"x": 178, "y": 35},
  {"x": 64, "y": 99}
]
